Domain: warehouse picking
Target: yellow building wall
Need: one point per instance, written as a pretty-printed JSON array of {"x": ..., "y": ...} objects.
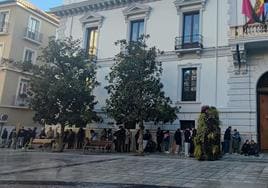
[{"x": 18, "y": 115}]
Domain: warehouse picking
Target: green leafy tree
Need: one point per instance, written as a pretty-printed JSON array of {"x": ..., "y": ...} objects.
[
  {"x": 62, "y": 87},
  {"x": 207, "y": 140},
  {"x": 135, "y": 88}
]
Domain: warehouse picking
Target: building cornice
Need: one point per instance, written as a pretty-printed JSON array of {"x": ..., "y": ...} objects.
[
  {"x": 94, "y": 5},
  {"x": 171, "y": 56}
]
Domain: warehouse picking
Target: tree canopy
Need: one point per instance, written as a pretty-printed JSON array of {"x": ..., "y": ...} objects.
[
  {"x": 62, "y": 86},
  {"x": 135, "y": 89}
]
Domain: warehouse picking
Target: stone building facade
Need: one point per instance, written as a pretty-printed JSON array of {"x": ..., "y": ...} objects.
[{"x": 209, "y": 59}]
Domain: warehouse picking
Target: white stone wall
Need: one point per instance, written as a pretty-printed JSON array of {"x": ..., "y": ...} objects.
[{"x": 219, "y": 84}]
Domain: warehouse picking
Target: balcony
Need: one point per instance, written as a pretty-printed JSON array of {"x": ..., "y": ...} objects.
[
  {"x": 33, "y": 36},
  {"x": 189, "y": 44},
  {"x": 251, "y": 35},
  {"x": 4, "y": 27}
]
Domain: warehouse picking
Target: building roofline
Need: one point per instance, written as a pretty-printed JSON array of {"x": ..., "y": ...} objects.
[
  {"x": 29, "y": 6},
  {"x": 93, "y": 5}
]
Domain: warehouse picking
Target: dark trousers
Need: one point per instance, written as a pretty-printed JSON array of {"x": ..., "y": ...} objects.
[
  {"x": 159, "y": 146},
  {"x": 120, "y": 145},
  {"x": 226, "y": 146}
]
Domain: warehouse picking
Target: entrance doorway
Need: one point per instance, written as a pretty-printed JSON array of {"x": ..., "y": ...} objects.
[{"x": 262, "y": 103}]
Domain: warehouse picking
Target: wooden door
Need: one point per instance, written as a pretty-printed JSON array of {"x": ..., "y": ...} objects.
[{"x": 264, "y": 122}]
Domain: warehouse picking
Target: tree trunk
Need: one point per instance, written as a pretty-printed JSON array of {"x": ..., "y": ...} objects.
[
  {"x": 59, "y": 140},
  {"x": 141, "y": 150}
]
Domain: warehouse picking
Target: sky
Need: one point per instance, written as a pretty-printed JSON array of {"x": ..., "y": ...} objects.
[{"x": 46, "y": 4}]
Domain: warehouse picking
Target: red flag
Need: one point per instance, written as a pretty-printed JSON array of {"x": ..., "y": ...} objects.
[
  {"x": 259, "y": 7},
  {"x": 247, "y": 10}
]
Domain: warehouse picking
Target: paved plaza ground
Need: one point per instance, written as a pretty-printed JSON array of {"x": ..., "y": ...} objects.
[{"x": 46, "y": 170}]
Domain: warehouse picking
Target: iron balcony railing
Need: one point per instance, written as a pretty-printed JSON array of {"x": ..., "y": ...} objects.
[
  {"x": 33, "y": 35},
  {"x": 4, "y": 27},
  {"x": 189, "y": 42}
]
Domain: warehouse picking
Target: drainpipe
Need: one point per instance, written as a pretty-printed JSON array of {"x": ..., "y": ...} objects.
[{"x": 216, "y": 54}]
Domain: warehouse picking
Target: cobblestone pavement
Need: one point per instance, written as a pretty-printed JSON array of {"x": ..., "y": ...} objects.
[{"x": 45, "y": 170}]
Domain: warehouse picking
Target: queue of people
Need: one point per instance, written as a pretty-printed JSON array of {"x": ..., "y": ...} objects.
[
  {"x": 165, "y": 143},
  {"x": 122, "y": 140},
  {"x": 17, "y": 139},
  {"x": 232, "y": 144}
]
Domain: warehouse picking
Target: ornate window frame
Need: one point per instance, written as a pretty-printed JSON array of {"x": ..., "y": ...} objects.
[
  {"x": 90, "y": 20},
  {"x": 184, "y": 6},
  {"x": 198, "y": 67},
  {"x": 134, "y": 12}
]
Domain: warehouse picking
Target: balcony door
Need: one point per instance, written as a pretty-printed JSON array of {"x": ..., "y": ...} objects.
[{"x": 191, "y": 37}]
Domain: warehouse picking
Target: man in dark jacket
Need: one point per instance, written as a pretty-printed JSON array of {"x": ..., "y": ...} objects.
[
  {"x": 227, "y": 139},
  {"x": 120, "y": 137},
  {"x": 177, "y": 140},
  {"x": 159, "y": 139},
  {"x": 187, "y": 141}
]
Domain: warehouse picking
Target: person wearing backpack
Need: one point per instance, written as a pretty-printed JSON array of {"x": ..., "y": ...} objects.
[{"x": 236, "y": 141}]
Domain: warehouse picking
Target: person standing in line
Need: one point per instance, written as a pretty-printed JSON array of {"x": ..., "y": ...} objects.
[
  {"x": 9, "y": 142},
  {"x": 159, "y": 139},
  {"x": 50, "y": 133},
  {"x": 14, "y": 139},
  {"x": 236, "y": 141},
  {"x": 146, "y": 138},
  {"x": 71, "y": 139},
  {"x": 227, "y": 139},
  {"x": 177, "y": 141},
  {"x": 21, "y": 137},
  {"x": 4, "y": 137},
  {"x": 187, "y": 140},
  {"x": 166, "y": 141},
  {"x": 128, "y": 140},
  {"x": 193, "y": 135},
  {"x": 137, "y": 135},
  {"x": 80, "y": 138}
]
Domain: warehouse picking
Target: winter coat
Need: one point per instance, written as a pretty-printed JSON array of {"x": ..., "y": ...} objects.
[{"x": 177, "y": 138}]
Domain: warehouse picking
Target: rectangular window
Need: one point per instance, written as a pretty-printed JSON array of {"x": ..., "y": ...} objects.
[
  {"x": 91, "y": 40},
  {"x": 23, "y": 93},
  {"x": 3, "y": 21},
  {"x": 33, "y": 29},
  {"x": 23, "y": 87},
  {"x": 189, "y": 84},
  {"x": 136, "y": 30},
  {"x": 191, "y": 34},
  {"x": 29, "y": 56}
]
